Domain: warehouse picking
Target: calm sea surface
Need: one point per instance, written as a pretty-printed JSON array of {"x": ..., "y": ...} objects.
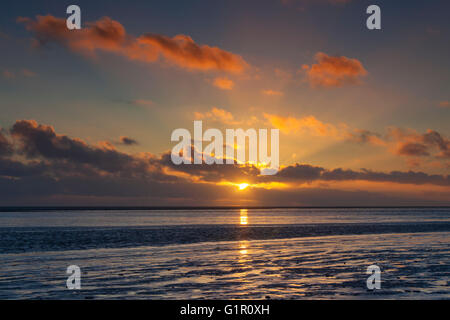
[{"x": 226, "y": 254}]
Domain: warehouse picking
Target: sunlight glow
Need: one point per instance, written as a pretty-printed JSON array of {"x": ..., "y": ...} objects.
[
  {"x": 263, "y": 185},
  {"x": 243, "y": 186}
]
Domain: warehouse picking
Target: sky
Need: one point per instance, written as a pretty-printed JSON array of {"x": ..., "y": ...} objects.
[{"x": 87, "y": 115}]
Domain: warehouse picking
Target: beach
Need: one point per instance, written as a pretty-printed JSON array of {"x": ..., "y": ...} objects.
[{"x": 237, "y": 254}]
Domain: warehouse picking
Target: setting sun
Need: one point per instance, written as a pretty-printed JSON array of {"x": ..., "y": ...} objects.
[{"x": 243, "y": 186}]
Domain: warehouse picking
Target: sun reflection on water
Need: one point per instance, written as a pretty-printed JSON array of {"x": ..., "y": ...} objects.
[
  {"x": 243, "y": 247},
  {"x": 243, "y": 217}
]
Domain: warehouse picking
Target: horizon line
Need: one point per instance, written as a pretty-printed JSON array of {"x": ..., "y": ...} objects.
[{"x": 115, "y": 208}]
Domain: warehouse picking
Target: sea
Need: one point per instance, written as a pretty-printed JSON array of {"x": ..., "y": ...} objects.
[{"x": 225, "y": 253}]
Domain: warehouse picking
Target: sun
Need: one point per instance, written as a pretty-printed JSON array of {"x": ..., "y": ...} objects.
[{"x": 243, "y": 186}]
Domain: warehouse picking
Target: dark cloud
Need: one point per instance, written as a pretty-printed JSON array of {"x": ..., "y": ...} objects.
[
  {"x": 127, "y": 141},
  {"x": 406, "y": 142},
  {"x": 38, "y": 140},
  {"x": 434, "y": 138},
  {"x": 409, "y": 177},
  {"x": 5, "y": 145},
  {"x": 213, "y": 172},
  {"x": 17, "y": 169},
  {"x": 413, "y": 149},
  {"x": 306, "y": 173},
  {"x": 431, "y": 143},
  {"x": 366, "y": 136},
  {"x": 300, "y": 173},
  {"x": 41, "y": 166}
]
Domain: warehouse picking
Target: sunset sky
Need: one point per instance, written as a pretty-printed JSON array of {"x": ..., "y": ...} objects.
[{"x": 87, "y": 115}]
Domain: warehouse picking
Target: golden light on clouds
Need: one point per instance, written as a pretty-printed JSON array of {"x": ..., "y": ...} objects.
[
  {"x": 262, "y": 185},
  {"x": 270, "y": 92},
  {"x": 109, "y": 35},
  {"x": 223, "y": 83}
]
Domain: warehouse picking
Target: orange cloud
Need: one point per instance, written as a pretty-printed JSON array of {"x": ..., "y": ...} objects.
[
  {"x": 142, "y": 102},
  {"x": 183, "y": 51},
  {"x": 217, "y": 114},
  {"x": 110, "y": 36},
  {"x": 411, "y": 143},
  {"x": 106, "y": 145},
  {"x": 223, "y": 83},
  {"x": 332, "y": 71},
  {"x": 8, "y": 74},
  {"x": 59, "y": 165},
  {"x": 270, "y": 92},
  {"x": 444, "y": 104},
  {"x": 403, "y": 142},
  {"x": 309, "y": 123}
]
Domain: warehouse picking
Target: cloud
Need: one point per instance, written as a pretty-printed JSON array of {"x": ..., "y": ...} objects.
[
  {"x": 308, "y": 124},
  {"x": 414, "y": 162},
  {"x": 223, "y": 83},
  {"x": 214, "y": 172},
  {"x": 366, "y": 136},
  {"x": 217, "y": 114},
  {"x": 109, "y": 35},
  {"x": 41, "y": 166},
  {"x": 143, "y": 102},
  {"x": 444, "y": 104},
  {"x": 17, "y": 170},
  {"x": 403, "y": 142},
  {"x": 270, "y": 92},
  {"x": 28, "y": 73},
  {"x": 41, "y": 141},
  {"x": 127, "y": 141},
  {"x": 407, "y": 142},
  {"x": 54, "y": 166},
  {"x": 184, "y": 52},
  {"x": 335, "y": 71},
  {"x": 6, "y": 147},
  {"x": 8, "y": 74},
  {"x": 412, "y": 143},
  {"x": 299, "y": 174},
  {"x": 305, "y": 173},
  {"x": 412, "y": 149},
  {"x": 24, "y": 72}
]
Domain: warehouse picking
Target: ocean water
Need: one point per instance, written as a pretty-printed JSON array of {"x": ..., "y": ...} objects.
[{"x": 226, "y": 254}]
